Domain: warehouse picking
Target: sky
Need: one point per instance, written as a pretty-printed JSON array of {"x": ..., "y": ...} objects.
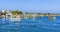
[{"x": 41, "y": 6}]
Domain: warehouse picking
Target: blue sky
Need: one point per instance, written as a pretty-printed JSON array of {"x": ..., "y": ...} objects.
[{"x": 44, "y": 6}]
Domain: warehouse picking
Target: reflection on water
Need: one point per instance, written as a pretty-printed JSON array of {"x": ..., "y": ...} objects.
[
  {"x": 14, "y": 19},
  {"x": 28, "y": 25}
]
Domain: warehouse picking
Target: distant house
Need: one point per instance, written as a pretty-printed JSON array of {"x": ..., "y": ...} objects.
[
  {"x": 8, "y": 15},
  {"x": 31, "y": 15},
  {"x": 3, "y": 15}
]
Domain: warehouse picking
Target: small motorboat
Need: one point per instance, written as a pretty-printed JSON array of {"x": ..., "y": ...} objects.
[{"x": 14, "y": 19}]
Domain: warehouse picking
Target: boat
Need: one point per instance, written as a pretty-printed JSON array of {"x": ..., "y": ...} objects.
[{"x": 14, "y": 19}]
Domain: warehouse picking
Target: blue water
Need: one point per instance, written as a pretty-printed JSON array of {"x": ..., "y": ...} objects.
[{"x": 40, "y": 24}]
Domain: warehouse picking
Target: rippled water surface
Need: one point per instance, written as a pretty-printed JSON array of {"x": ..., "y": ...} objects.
[{"x": 41, "y": 24}]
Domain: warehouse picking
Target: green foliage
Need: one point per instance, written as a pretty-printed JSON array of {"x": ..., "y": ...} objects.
[{"x": 17, "y": 12}]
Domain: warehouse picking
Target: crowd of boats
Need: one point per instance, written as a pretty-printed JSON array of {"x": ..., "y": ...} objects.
[{"x": 19, "y": 14}]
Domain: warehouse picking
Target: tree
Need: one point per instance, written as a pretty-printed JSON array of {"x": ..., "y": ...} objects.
[{"x": 17, "y": 12}]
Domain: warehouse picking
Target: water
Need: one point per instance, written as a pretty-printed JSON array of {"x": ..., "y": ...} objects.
[{"x": 41, "y": 24}]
